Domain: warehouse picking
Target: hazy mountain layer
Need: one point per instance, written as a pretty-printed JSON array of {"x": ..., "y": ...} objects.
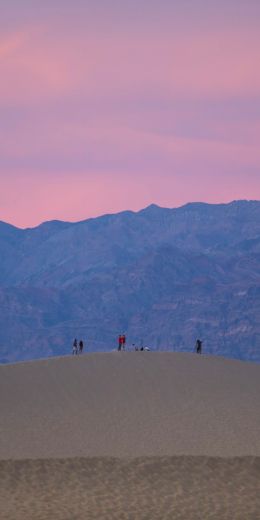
[{"x": 163, "y": 276}]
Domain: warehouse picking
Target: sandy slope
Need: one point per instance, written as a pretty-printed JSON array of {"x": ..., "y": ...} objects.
[
  {"x": 129, "y": 404},
  {"x": 168, "y": 488}
]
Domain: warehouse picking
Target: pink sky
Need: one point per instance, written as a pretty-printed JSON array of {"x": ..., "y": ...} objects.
[{"x": 120, "y": 104}]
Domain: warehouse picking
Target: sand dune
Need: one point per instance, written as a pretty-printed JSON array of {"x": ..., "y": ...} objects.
[
  {"x": 129, "y": 405},
  {"x": 188, "y": 488},
  {"x": 134, "y": 436}
]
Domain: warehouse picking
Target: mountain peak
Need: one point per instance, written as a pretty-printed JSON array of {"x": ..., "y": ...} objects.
[{"x": 152, "y": 209}]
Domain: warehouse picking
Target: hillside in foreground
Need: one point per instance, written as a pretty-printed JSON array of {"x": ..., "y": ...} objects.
[{"x": 130, "y": 436}]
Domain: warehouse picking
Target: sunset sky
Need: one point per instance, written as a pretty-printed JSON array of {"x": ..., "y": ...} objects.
[{"x": 108, "y": 105}]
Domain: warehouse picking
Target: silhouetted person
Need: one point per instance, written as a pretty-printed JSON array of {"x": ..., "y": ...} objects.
[
  {"x": 75, "y": 347},
  {"x": 120, "y": 342},
  {"x": 81, "y": 346},
  {"x": 199, "y": 346}
]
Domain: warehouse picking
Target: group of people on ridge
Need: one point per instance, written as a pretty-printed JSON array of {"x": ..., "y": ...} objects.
[
  {"x": 77, "y": 347},
  {"x": 122, "y": 344}
]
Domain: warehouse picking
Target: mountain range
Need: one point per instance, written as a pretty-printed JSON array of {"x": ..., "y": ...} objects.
[{"x": 162, "y": 276}]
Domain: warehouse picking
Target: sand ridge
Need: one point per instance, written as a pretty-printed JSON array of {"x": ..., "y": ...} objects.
[{"x": 129, "y": 405}]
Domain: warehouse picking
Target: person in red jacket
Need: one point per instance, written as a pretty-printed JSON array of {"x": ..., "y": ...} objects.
[{"x": 120, "y": 342}]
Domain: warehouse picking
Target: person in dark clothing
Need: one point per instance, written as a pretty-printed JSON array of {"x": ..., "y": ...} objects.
[
  {"x": 199, "y": 346},
  {"x": 75, "y": 347},
  {"x": 81, "y": 346},
  {"x": 120, "y": 342}
]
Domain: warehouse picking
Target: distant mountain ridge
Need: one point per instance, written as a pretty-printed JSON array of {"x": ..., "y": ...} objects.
[{"x": 163, "y": 276}]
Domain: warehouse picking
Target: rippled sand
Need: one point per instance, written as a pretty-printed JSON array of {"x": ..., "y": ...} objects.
[{"x": 187, "y": 488}]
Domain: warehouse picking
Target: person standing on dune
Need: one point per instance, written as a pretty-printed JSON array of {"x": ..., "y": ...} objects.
[
  {"x": 198, "y": 346},
  {"x": 75, "y": 347},
  {"x": 81, "y": 347}
]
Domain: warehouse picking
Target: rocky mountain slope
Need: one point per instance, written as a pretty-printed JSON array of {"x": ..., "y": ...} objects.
[{"x": 163, "y": 276}]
